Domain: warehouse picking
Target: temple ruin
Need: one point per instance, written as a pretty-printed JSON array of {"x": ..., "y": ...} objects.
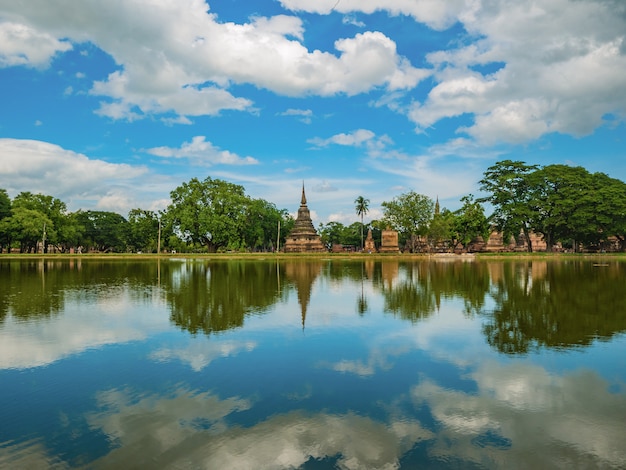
[{"x": 304, "y": 238}]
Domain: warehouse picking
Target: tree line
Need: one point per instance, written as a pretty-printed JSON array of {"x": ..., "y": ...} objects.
[
  {"x": 210, "y": 215},
  {"x": 567, "y": 206}
]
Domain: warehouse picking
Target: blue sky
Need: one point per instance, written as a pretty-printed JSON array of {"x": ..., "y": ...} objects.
[{"x": 111, "y": 105}]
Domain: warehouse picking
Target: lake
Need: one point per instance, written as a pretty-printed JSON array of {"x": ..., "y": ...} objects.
[{"x": 312, "y": 364}]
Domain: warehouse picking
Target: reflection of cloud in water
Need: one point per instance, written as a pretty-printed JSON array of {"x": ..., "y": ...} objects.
[
  {"x": 30, "y": 454},
  {"x": 113, "y": 317},
  {"x": 188, "y": 430},
  {"x": 561, "y": 422},
  {"x": 200, "y": 354}
]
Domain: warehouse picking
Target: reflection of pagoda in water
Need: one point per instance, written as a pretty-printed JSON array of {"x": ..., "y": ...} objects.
[
  {"x": 303, "y": 275},
  {"x": 304, "y": 238}
]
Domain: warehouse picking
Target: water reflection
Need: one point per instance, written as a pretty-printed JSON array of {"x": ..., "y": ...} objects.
[
  {"x": 197, "y": 364},
  {"x": 523, "y": 417},
  {"x": 542, "y": 304},
  {"x": 211, "y": 297}
]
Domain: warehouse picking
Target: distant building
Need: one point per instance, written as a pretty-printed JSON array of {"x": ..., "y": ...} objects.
[
  {"x": 304, "y": 238},
  {"x": 370, "y": 246},
  {"x": 389, "y": 241}
]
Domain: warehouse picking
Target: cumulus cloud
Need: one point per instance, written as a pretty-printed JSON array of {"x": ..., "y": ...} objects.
[
  {"x": 21, "y": 44},
  {"x": 524, "y": 70},
  {"x": 434, "y": 13},
  {"x": 177, "y": 57},
  {"x": 558, "y": 68},
  {"x": 200, "y": 151},
  {"x": 42, "y": 167}
]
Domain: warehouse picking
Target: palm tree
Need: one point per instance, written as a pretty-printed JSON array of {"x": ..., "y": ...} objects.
[{"x": 362, "y": 208}]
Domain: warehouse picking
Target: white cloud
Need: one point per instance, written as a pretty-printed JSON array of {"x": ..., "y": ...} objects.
[
  {"x": 562, "y": 70},
  {"x": 353, "y": 139},
  {"x": 23, "y": 45},
  {"x": 325, "y": 187},
  {"x": 177, "y": 57},
  {"x": 435, "y": 13},
  {"x": 555, "y": 66},
  {"x": 304, "y": 114},
  {"x": 79, "y": 181},
  {"x": 203, "y": 152}
]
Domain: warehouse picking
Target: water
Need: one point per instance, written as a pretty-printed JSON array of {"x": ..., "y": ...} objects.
[{"x": 312, "y": 364}]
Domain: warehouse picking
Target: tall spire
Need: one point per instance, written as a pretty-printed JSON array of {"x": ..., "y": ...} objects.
[{"x": 303, "y": 201}]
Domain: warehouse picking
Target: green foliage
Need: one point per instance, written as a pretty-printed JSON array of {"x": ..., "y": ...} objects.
[
  {"x": 216, "y": 215},
  {"x": 441, "y": 228},
  {"x": 563, "y": 203},
  {"x": 5, "y": 212},
  {"x": 104, "y": 231},
  {"x": 26, "y": 227},
  {"x": 409, "y": 214},
  {"x": 510, "y": 193},
  {"x": 336, "y": 233},
  {"x": 470, "y": 222},
  {"x": 143, "y": 230}
]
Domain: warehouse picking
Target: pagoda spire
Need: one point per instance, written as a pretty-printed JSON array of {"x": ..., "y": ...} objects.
[{"x": 303, "y": 200}]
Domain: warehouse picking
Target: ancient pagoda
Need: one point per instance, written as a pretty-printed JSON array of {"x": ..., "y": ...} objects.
[{"x": 304, "y": 238}]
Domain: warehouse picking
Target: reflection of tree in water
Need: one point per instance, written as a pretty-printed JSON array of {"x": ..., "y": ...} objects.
[
  {"x": 211, "y": 297},
  {"x": 555, "y": 304},
  {"x": 416, "y": 289},
  {"x": 302, "y": 274},
  {"x": 31, "y": 289}
]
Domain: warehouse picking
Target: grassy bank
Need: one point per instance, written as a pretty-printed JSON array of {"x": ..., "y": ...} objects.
[{"x": 324, "y": 256}]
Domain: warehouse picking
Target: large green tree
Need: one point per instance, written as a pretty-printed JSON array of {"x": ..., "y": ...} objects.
[
  {"x": 143, "y": 230},
  {"x": 563, "y": 204},
  {"x": 409, "y": 214},
  {"x": 510, "y": 193},
  {"x": 103, "y": 230},
  {"x": 264, "y": 219},
  {"x": 209, "y": 213},
  {"x": 25, "y": 226},
  {"x": 215, "y": 215},
  {"x": 610, "y": 207},
  {"x": 470, "y": 221}
]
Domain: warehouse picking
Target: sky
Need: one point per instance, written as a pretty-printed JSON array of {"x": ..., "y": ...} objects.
[{"x": 111, "y": 105}]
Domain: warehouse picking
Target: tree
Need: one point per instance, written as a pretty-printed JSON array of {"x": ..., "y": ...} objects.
[
  {"x": 105, "y": 231},
  {"x": 5, "y": 212},
  {"x": 143, "y": 230},
  {"x": 362, "y": 208},
  {"x": 610, "y": 207},
  {"x": 209, "y": 213},
  {"x": 563, "y": 204},
  {"x": 25, "y": 226},
  {"x": 259, "y": 233},
  {"x": 217, "y": 215},
  {"x": 53, "y": 208},
  {"x": 441, "y": 227},
  {"x": 509, "y": 188},
  {"x": 470, "y": 221},
  {"x": 409, "y": 214}
]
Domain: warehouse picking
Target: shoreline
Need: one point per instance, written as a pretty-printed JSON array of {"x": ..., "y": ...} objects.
[{"x": 355, "y": 256}]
